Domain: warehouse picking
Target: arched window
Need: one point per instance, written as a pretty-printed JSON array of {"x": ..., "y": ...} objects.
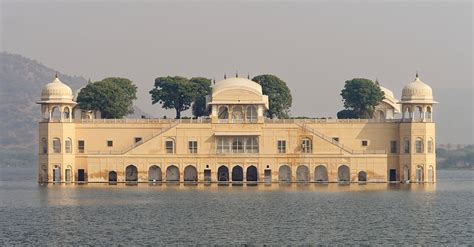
[
  {"x": 430, "y": 145},
  {"x": 428, "y": 113},
  {"x": 66, "y": 113},
  {"x": 406, "y": 113},
  {"x": 418, "y": 114},
  {"x": 251, "y": 114},
  {"x": 237, "y": 114},
  {"x": 223, "y": 114},
  {"x": 251, "y": 145},
  {"x": 55, "y": 114},
  {"x": 419, "y": 145},
  {"x": 68, "y": 146},
  {"x": 44, "y": 145},
  {"x": 56, "y": 145},
  {"x": 406, "y": 146},
  {"x": 306, "y": 145}
]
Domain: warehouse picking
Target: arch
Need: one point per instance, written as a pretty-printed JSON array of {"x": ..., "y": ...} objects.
[
  {"x": 418, "y": 113},
  {"x": 55, "y": 114},
  {"x": 429, "y": 113},
  {"x": 302, "y": 173},
  {"x": 223, "y": 113},
  {"x": 237, "y": 114},
  {"x": 56, "y": 145},
  {"x": 430, "y": 174},
  {"x": 362, "y": 176},
  {"x": 131, "y": 173},
  {"x": 57, "y": 174},
  {"x": 284, "y": 174},
  {"x": 222, "y": 173},
  {"x": 406, "y": 173},
  {"x": 251, "y": 114},
  {"x": 68, "y": 174},
  {"x": 380, "y": 115},
  {"x": 321, "y": 174},
  {"x": 44, "y": 145},
  {"x": 172, "y": 174},
  {"x": 430, "y": 145},
  {"x": 343, "y": 173},
  {"x": 68, "y": 145},
  {"x": 112, "y": 176},
  {"x": 419, "y": 176},
  {"x": 419, "y": 145},
  {"x": 407, "y": 112},
  {"x": 66, "y": 113},
  {"x": 252, "y": 174},
  {"x": 190, "y": 174},
  {"x": 154, "y": 173},
  {"x": 237, "y": 174}
]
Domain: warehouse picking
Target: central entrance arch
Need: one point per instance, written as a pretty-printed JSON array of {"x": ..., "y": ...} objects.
[
  {"x": 237, "y": 174},
  {"x": 362, "y": 176},
  {"x": 154, "y": 174},
  {"x": 302, "y": 173},
  {"x": 252, "y": 174},
  {"x": 284, "y": 174},
  {"x": 112, "y": 176},
  {"x": 190, "y": 174},
  {"x": 223, "y": 174},
  {"x": 321, "y": 174},
  {"x": 172, "y": 174},
  {"x": 343, "y": 174},
  {"x": 131, "y": 174}
]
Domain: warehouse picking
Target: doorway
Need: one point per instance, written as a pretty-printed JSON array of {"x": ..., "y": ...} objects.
[{"x": 393, "y": 175}]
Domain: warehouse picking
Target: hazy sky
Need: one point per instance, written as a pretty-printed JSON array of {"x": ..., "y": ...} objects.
[{"x": 313, "y": 45}]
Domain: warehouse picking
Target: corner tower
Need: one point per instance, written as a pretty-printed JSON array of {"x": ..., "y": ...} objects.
[
  {"x": 56, "y": 133},
  {"x": 417, "y": 133}
]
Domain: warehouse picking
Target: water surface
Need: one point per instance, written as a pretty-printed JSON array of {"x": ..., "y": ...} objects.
[{"x": 68, "y": 214}]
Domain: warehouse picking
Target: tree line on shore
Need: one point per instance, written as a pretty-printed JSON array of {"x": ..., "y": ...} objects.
[{"x": 114, "y": 96}]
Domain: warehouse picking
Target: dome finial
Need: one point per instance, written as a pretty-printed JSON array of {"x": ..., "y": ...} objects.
[
  {"x": 56, "y": 74},
  {"x": 377, "y": 82},
  {"x": 214, "y": 81},
  {"x": 248, "y": 76},
  {"x": 225, "y": 76},
  {"x": 236, "y": 74},
  {"x": 417, "y": 75}
]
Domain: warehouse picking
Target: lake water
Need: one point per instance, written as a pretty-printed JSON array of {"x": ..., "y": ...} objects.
[{"x": 102, "y": 214}]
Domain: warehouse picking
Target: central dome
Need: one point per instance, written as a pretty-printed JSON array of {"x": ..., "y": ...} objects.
[
  {"x": 236, "y": 83},
  {"x": 56, "y": 91},
  {"x": 417, "y": 92}
]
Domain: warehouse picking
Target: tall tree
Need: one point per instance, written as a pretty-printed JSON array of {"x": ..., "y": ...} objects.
[
  {"x": 361, "y": 96},
  {"x": 279, "y": 95},
  {"x": 173, "y": 93},
  {"x": 202, "y": 89},
  {"x": 129, "y": 89},
  {"x": 107, "y": 97}
]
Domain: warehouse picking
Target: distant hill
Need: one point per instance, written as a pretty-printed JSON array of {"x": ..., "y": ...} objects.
[{"x": 21, "y": 80}]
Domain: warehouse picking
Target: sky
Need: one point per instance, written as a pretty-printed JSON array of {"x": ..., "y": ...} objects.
[{"x": 314, "y": 46}]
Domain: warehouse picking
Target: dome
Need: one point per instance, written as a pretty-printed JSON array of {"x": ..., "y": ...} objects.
[
  {"x": 56, "y": 92},
  {"x": 388, "y": 93},
  {"x": 417, "y": 92},
  {"x": 389, "y": 98},
  {"x": 236, "y": 83}
]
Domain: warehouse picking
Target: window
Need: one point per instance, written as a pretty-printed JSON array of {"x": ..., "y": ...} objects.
[
  {"x": 419, "y": 145},
  {"x": 430, "y": 146},
  {"x": 138, "y": 139},
  {"x": 335, "y": 139},
  {"x": 306, "y": 145},
  {"x": 393, "y": 147},
  {"x": 193, "y": 147},
  {"x": 169, "y": 146},
  {"x": 223, "y": 114},
  {"x": 251, "y": 114},
  {"x": 237, "y": 114},
  {"x": 56, "y": 145},
  {"x": 365, "y": 143},
  {"x": 281, "y": 146},
  {"x": 44, "y": 145},
  {"x": 111, "y": 143},
  {"x": 68, "y": 146},
  {"x": 222, "y": 144},
  {"x": 80, "y": 146},
  {"x": 237, "y": 145},
  {"x": 406, "y": 146},
  {"x": 251, "y": 145}
]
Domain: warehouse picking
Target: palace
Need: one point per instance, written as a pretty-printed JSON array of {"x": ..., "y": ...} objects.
[{"x": 236, "y": 143}]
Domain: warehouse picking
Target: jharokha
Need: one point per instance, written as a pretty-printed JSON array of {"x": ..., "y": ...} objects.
[{"x": 236, "y": 143}]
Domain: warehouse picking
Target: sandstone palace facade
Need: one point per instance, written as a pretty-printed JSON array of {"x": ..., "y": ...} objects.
[{"x": 236, "y": 143}]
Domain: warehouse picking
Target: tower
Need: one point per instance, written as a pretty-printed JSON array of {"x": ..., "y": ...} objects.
[
  {"x": 56, "y": 133},
  {"x": 417, "y": 133}
]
